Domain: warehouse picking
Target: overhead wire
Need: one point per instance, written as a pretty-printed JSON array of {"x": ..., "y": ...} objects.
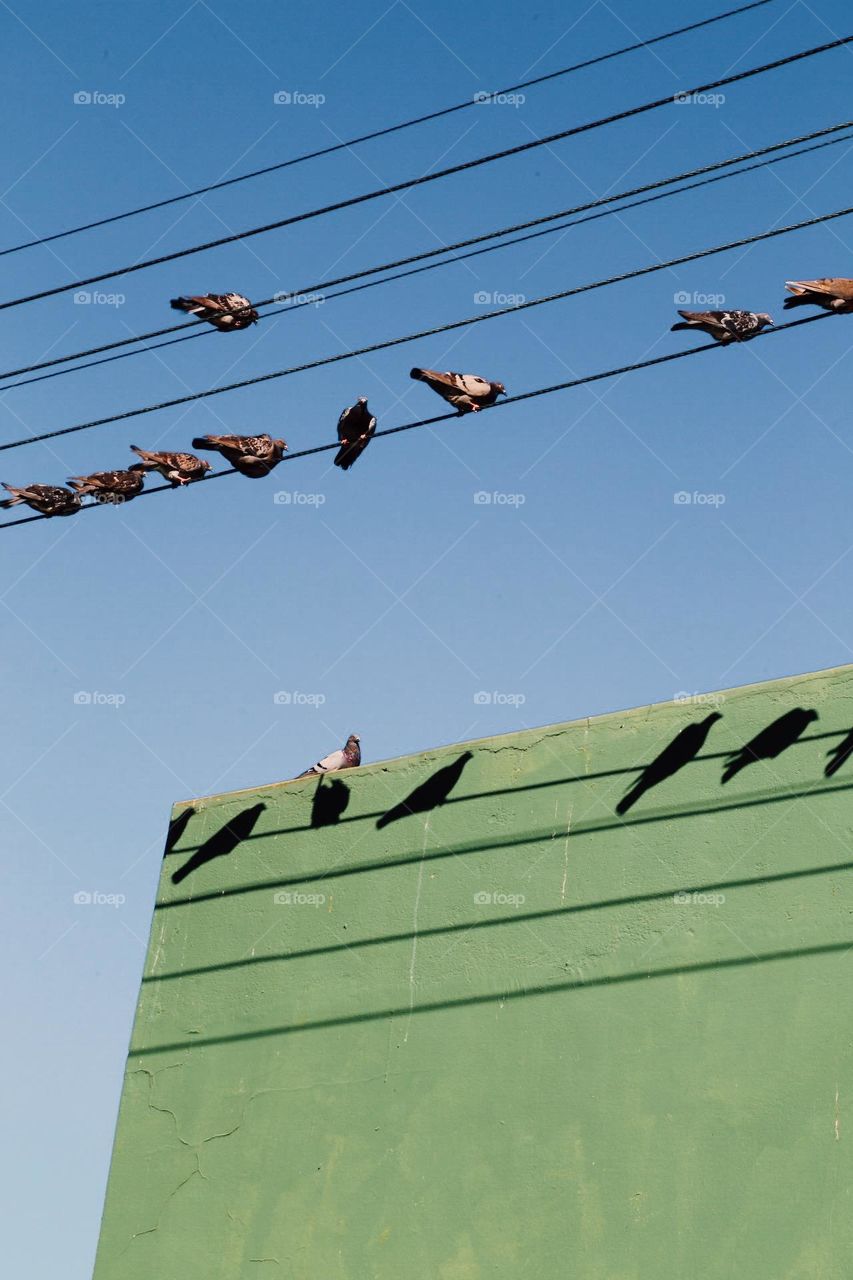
[
  {"x": 447, "y": 327},
  {"x": 437, "y": 175},
  {"x": 572, "y": 383},
  {"x": 388, "y": 129},
  {"x": 201, "y": 328}
]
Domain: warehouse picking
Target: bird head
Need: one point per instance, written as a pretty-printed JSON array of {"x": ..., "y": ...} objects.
[
  {"x": 205, "y": 465},
  {"x": 764, "y": 318},
  {"x": 362, "y": 400},
  {"x": 353, "y": 738},
  {"x": 281, "y": 444},
  {"x": 500, "y": 388}
]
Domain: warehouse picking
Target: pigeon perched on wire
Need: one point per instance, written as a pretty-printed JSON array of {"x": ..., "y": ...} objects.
[
  {"x": 833, "y": 293},
  {"x": 725, "y": 326},
  {"x": 465, "y": 391},
  {"x": 356, "y": 426},
  {"x": 349, "y": 757},
  {"x": 109, "y": 486},
  {"x": 225, "y": 311},
  {"x": 177, "y": 468},
  {"x": 47, "y": 499},
  {"x": 252, "y": 456}
]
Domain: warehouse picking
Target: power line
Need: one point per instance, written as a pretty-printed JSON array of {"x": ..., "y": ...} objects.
[
  {"x": 466, "y": 165},
  {"x": 436, "y": 329},
  {"x": 202, "y": 329},
  {"x": 446, "y": 417},
  {"x": 381, "y": 133}
]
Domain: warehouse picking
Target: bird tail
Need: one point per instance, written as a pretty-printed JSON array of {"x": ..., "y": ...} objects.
[
  {"x": 14, "y": 500},
  {"x": 180, "y": 304},
  {"x": 80, "y": 483},
  {"x": 630, "y": 799},
  {"x": 734, "y": 766},
  {"x": 202, "y": 442},
  {"x": 344, "y": 457},
  {"x": 799, "y": 300},
  {"x": 143, "y": 453},
  {"x": 420, "y": 375}
]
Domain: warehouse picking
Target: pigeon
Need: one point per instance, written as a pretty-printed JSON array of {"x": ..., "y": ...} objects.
[
  {"x": 770, "y": 742},
  {"x": 252, "y": 456},
  {"x": 178, "y": 468},
  {"x": 349, "y": 757},
  {"x": 684, "y": 747},
  {"x": 356, "y": 426},
  {"x": 109, "y": 486},
  {"x": 833, "y": 294},
  {"x": 225, "y": 311},
  {"x": 48, "y": 499},
  {"x": 725, "y": 326},
  {"x": 465, "y": 391}
]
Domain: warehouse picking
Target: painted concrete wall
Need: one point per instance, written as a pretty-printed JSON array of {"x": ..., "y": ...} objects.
[{"x": 515, "y": 1034}]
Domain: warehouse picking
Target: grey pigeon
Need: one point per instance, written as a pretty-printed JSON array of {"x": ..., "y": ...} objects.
[
  {"x": 356, "y": 426},
  {"x": 833, "y": 293},
  {"x": 47, "y": 499},
  {"x": 349, "y": 757},
  {"x": 725, "y": 326},
  {"x": 225, "y": 311},
  {"x": 110, "y": 486},
  {"x": 252, "y": 456},
  {"x": 465, "y": 391},
  {"x": 178, "y": 468}
]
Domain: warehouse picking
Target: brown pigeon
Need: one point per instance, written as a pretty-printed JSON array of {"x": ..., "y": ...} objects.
[
  {"x": 48, "y": 499},
  {"x": 833, "y": 294},
  {"x": 225, "y": 311},
  {"x": 252, "y": 456},
  {"x": 465, "y": 391},
  {"x": 110, "y": 486},
  {"x": 356, "y": 426},
  {"x": 178, "y": 468},
  {"x": 725, "y": 326},
  {"x": 349, "y": 757}
]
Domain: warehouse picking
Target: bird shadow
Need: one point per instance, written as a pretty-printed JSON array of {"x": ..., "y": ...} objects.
[
  {"x": 430, "y": 794},
  {"x": 771, "y": 741},
  {"x": 177, "y": 827},
  {"x": 683, "y": 748},
  {"x": 840, "y": 754},
  {"x": 222, "y": 842},
  {"x": 330, "y": 802}
]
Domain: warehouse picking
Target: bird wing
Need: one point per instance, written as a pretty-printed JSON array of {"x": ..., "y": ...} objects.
[
  {"x": 714, "y": 319},
  {"x": 473, "y": 385},
  {"x": 336, "y": 760},
  {"x": 453, "y": 381},
  {"x": 832, "y": 286}
]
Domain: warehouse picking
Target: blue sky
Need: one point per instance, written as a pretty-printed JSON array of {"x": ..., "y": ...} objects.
[{"x": 382, "y": 600}]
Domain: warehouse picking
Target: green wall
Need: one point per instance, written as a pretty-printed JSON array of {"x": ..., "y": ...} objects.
[{"x": 634, "y": 1060}]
